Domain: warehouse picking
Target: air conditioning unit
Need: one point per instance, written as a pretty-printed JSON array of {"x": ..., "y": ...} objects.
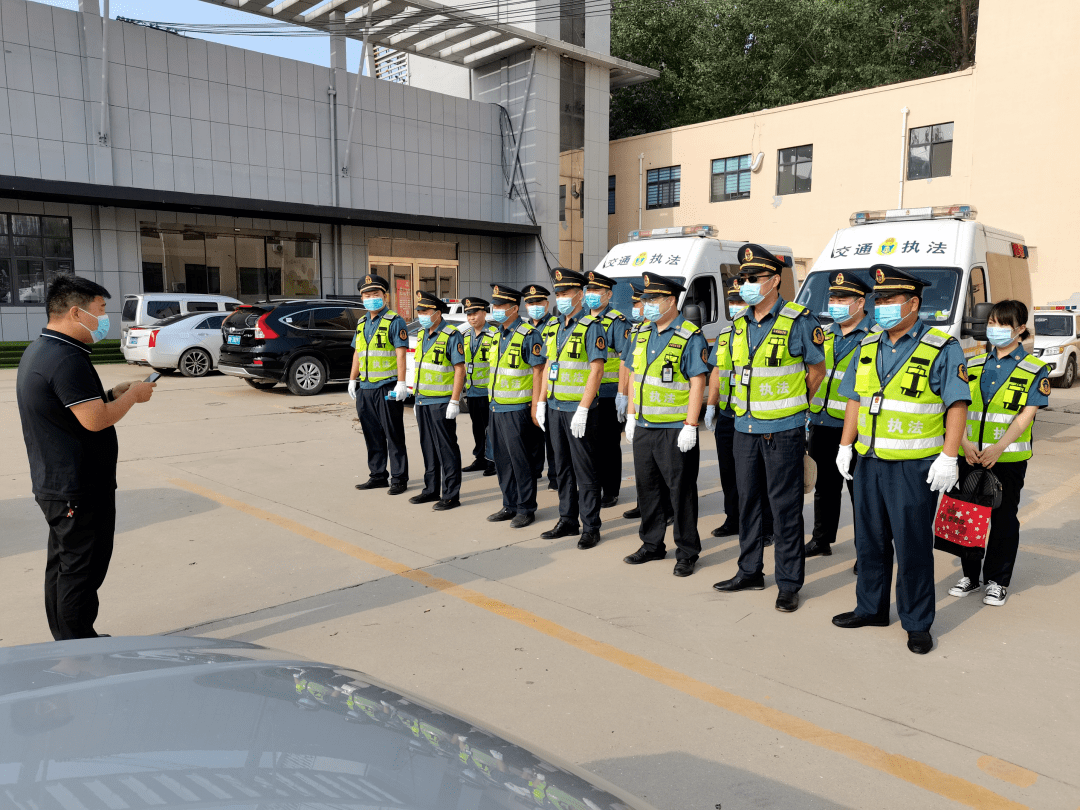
[{"x": 179, "y": 287}]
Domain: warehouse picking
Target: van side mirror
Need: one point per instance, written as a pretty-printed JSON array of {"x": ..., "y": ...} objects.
[
  {"x": 692, "y": 313},
  {"x": 974, "y": 326}
]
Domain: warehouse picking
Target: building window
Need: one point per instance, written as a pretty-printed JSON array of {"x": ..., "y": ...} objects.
[
  {"x": 611, "y": 194},
  {"x": 930, "y": 151},
  {"x": 793, "y": 169},
  {"x": 730, "y": 178},
  {"x": 662, "y": 187},
  {"x": 562, "y": 203},
  {"x": 33, "y": 251}
]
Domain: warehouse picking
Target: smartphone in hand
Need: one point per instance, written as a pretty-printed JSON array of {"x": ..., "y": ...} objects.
[{"x": 153, "y": 377}]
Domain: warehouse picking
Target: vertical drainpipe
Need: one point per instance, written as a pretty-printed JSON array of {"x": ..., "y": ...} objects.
[
  {"x": 335, "y": 190},
  {"x": 103, "y": 129},
  {"x": 640, "y": 187},
  {"x": 903, "y": 149}
]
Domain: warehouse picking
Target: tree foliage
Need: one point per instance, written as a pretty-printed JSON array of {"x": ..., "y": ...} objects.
[{"x": 719, "y": 58}]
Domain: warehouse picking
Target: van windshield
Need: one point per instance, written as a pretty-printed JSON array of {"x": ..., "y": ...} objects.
[
  {"x": 1054, "y": 325},
  {"x": 621, "y": 296},
  {"x": 938, "y": 300}
]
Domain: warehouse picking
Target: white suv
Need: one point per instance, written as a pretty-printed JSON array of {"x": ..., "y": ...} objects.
[
  {"x": 1057, "y": 343},
  {"x": 147, "y": 309}
]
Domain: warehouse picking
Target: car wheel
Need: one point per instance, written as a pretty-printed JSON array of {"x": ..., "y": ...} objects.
[
  {"x": 1069, "y": 377},
  {"x": 260, "y": 385},
  {"x": 306, "y": 376},
  {"x": 195, "y": 363}
]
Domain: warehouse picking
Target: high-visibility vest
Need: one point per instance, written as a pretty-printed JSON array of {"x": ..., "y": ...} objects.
[
  {"x": 434, "y": 371},
  {"x": 725, "y": 379},
  {"x": 511, "y": 376},
  {"x": 771, "y": 384},
  {"x": 988, "y": 421},
  {"x": 662, "y": 392},
  {"x": 613, "y": 361},
  {"x": 477, "y": 358},
  {"x": 573, "y": 362},
  {"x": 910, "y": 422},
  {"x": 828, "y": 394},
  {"x": 377, "y": 359},
  {"x": 548, "y": 327}
]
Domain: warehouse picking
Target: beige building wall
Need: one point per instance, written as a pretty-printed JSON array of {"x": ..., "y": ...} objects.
[{"x": 1012, "y": 113}]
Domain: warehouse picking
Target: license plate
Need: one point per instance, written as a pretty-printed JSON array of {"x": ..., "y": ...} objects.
[
  {"x": 133, "y": 341},
  {"x": 234, "y": 340}
]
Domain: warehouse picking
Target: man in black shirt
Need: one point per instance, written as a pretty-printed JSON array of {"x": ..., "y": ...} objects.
[{"x": 67, "y": 421}]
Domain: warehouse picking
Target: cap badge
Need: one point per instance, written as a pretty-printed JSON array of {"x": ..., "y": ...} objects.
[
  {"x": 648, "y": 281},
  {"x": 532, "y": 290},
  {"x": 839, "y": 278},
  {"x": 748, "y": 254},
  {"x": 879, "y": 276},
  {"x": 367, "y": 279},
  {"x": 592, "y": 276},
  {"x": 558, "y": 275}
]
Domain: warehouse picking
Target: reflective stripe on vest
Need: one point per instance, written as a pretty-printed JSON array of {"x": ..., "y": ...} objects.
[
  {"x": 654, "y": 399},
  {"x": 477, "y": 361},
  {"x": 725, "y": 379},
  {"x": 910, "y": 423},
  {"x": 828, "y": 394},
  {"x": 614, "y": 360},
  {"x": 573, "y": 360},
  {"x": 434, "y": 371},
  {"x": 987, "y": 422},
  {"x": 777, "y": 384},
  {"x": 377, "y": 361},
  {"x": 511, "y": 376}
]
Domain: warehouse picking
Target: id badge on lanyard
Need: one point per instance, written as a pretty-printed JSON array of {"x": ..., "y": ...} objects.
[
  {"x": 469, "y": 369},
  {"x": 667, "y": 373},
  {"x": 553, "y": 372},
  {"x": 875, "y": 403},
  {"x": 746, "y": 375}
]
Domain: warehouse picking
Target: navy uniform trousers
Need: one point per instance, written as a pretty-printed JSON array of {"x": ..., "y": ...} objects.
[
  {"x": 660, "y": 465},
  {"x": 829, "y": 490},
  {"x": 1004, "y": 539},
  {"x": 610, "y": 461},
  {"x": 509, "y": 430},
  {"x": 479, "y": 413},
  {"x": 771, "y": 463},
  {"x": 383, "y": 423},
  {"x": 894, "y": 507},
  {"x": 442, "y": 458},
  {"x": 575, "y": 469},
  {"x": 725, "y": 457}
]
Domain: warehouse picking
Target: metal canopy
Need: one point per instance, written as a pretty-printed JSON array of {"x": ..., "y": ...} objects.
[{"x": 433, "y": 30}]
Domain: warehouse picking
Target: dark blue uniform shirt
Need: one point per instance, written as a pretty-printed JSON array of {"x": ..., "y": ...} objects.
[
  {"x": 842, "y": 344},
  {"x": 399, "y": 339},
  {"x": 694, "y": 359},
  {"x": 532, "y": 357},
  {"x": 595, "y": 349},
  {"x": 455, "y": 346}
]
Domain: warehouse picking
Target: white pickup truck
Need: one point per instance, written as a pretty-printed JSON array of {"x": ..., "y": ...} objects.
[{"x": 1057, "y": 342}]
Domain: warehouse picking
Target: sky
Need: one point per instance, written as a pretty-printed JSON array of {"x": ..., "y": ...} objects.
[{"x": 307, "y": 49}]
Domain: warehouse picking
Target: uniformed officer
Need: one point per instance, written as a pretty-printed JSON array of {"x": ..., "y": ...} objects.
[
  {"x": 778, "y": 363},
  {"x": 575, "y": 365},
  {"x": 377, "y": 384},
  {"x": 514, "y": 387},
  {"x": 669, "y": 373},
  {"x": 847, "y": 302},
  {"x": 478, "y": 342},
  {"x": 906, "y": 412},
  {"x": 440, "y": 379},
  {"x": 611, "y": 408},
  {"x": 546, "y": 322}
]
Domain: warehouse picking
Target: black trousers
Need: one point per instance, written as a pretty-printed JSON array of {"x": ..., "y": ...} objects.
[
  {"x": 824, "y": 442},
  {"x": 772, "y": 462},
  {"x": 610, "y": 461},
  {"x": 479, "y": 413},
  {"x": 383, "y": 423},
  {"x": 442, "y": 458},
  {"x": 536, "y": 441},
  {"x": 512, "y": 460},
  {"x": 1004, "y": 540},
  {"x": 729, "y": 483},
  {"x": 80, "y": 547},
  {"x": 575, "y": 469},
  {"x": 660, "y": 465}
]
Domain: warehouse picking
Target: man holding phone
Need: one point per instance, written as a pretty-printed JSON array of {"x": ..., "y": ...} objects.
[{"x": 67, "y": 421}]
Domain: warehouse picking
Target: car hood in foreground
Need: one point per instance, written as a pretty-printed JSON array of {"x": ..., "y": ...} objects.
[{"x": 172, "y": 722}]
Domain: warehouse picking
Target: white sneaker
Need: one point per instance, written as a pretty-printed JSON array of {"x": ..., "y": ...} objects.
[
  {"x": 963, "y": 587},
  {"x": 995, "y": 594}
]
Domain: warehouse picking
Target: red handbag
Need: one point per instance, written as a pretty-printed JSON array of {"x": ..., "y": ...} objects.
[{"x": 962, "y": 524}]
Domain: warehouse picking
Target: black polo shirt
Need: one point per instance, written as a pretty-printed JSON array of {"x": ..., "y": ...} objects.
[{"x": 67, "y": 461}]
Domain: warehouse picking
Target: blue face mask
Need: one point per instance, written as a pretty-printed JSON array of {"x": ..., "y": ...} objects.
[
  {"x": 999, "y": 335},
  {"x": 651, "y": 310},
  {"x": 839, "y": 312},
  {"x": 373, "y": 304},
  {"x": 98, "y": 334},
  {"x": 888, "y": 315},
  {"x": 536, "y": 311},
  {"x": 592, "y": 300},
  {"x": 737, "y": 311},
  {"x": 751, "y": 293},
  {"x": 565, "y": 304},
  {"x": 498, "y": 315},
  {"x": 425, "y": 321},
  {"x": 635, "y": 314}
]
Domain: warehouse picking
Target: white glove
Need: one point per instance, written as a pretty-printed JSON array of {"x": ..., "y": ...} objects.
[
  {"x": 843, "y": 461},
  {"x": 352, "y": 388},
  {"x": 401, "y": 392},
  {"x": 688, "y": 438},
  {"x": 943, "y": 473},
  {"x": 710, "y": 417},
  {"x": 453, "y": 408},
  {"x": 621, "y": 401},
  {"x": 631, "y": 426},
  {"x": 577, "y": 424},
  {"x": 541, "y": 415}
]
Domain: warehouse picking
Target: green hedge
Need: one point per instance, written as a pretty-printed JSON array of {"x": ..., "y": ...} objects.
[{"x": 108, "y": 351}]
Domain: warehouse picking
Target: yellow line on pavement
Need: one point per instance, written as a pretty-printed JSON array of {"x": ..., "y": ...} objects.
[{"x": 902, "y": 767}]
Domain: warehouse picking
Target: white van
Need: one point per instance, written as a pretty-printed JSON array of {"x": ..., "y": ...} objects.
[
  {"x": 965, "y": 262},
  {"x": 149, "y": 308},
  {"x": 1057, "y": 342},
  {"x": 692, "y": 254}
]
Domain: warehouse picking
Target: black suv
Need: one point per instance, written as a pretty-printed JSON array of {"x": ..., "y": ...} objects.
[{"x": 305, "y": 344}]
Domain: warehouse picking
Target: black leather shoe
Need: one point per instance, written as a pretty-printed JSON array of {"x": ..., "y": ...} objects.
[
  {"x": 684, "y": 568},
  {"x": 446, "y": 504},
  {"x": 727, "y": 530},
  {"x": 397, "y": 489},
  {"x": 501, "y": 515},
  {"x": 853, "y": 619},
  {"x": 607, "y": 503},
  {"x": 521, "y": 521},
  {"x": 563, "y": 528},
  {"x": 632, "y": 514},
  {"x": 553, "y": 486},
  {"x": 374, "y": 483},
  {"x": 741, "y": 583},
  {"x": 643, "y": 555},
  {"x": 816, "y": 549},
  {"x": 787, "y": 601},
  {"x": 424, "y": 497},
  {"x": 490, "y": 470},
  {"x": 768, "y": 541},
  {"x": 588, "y": 540},
  {"x": 919, "y": 642},
  {"x": 477, "y": 465}
]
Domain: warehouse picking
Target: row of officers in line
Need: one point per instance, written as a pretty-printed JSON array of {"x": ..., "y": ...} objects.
[{"x": 883, "y": 402}]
